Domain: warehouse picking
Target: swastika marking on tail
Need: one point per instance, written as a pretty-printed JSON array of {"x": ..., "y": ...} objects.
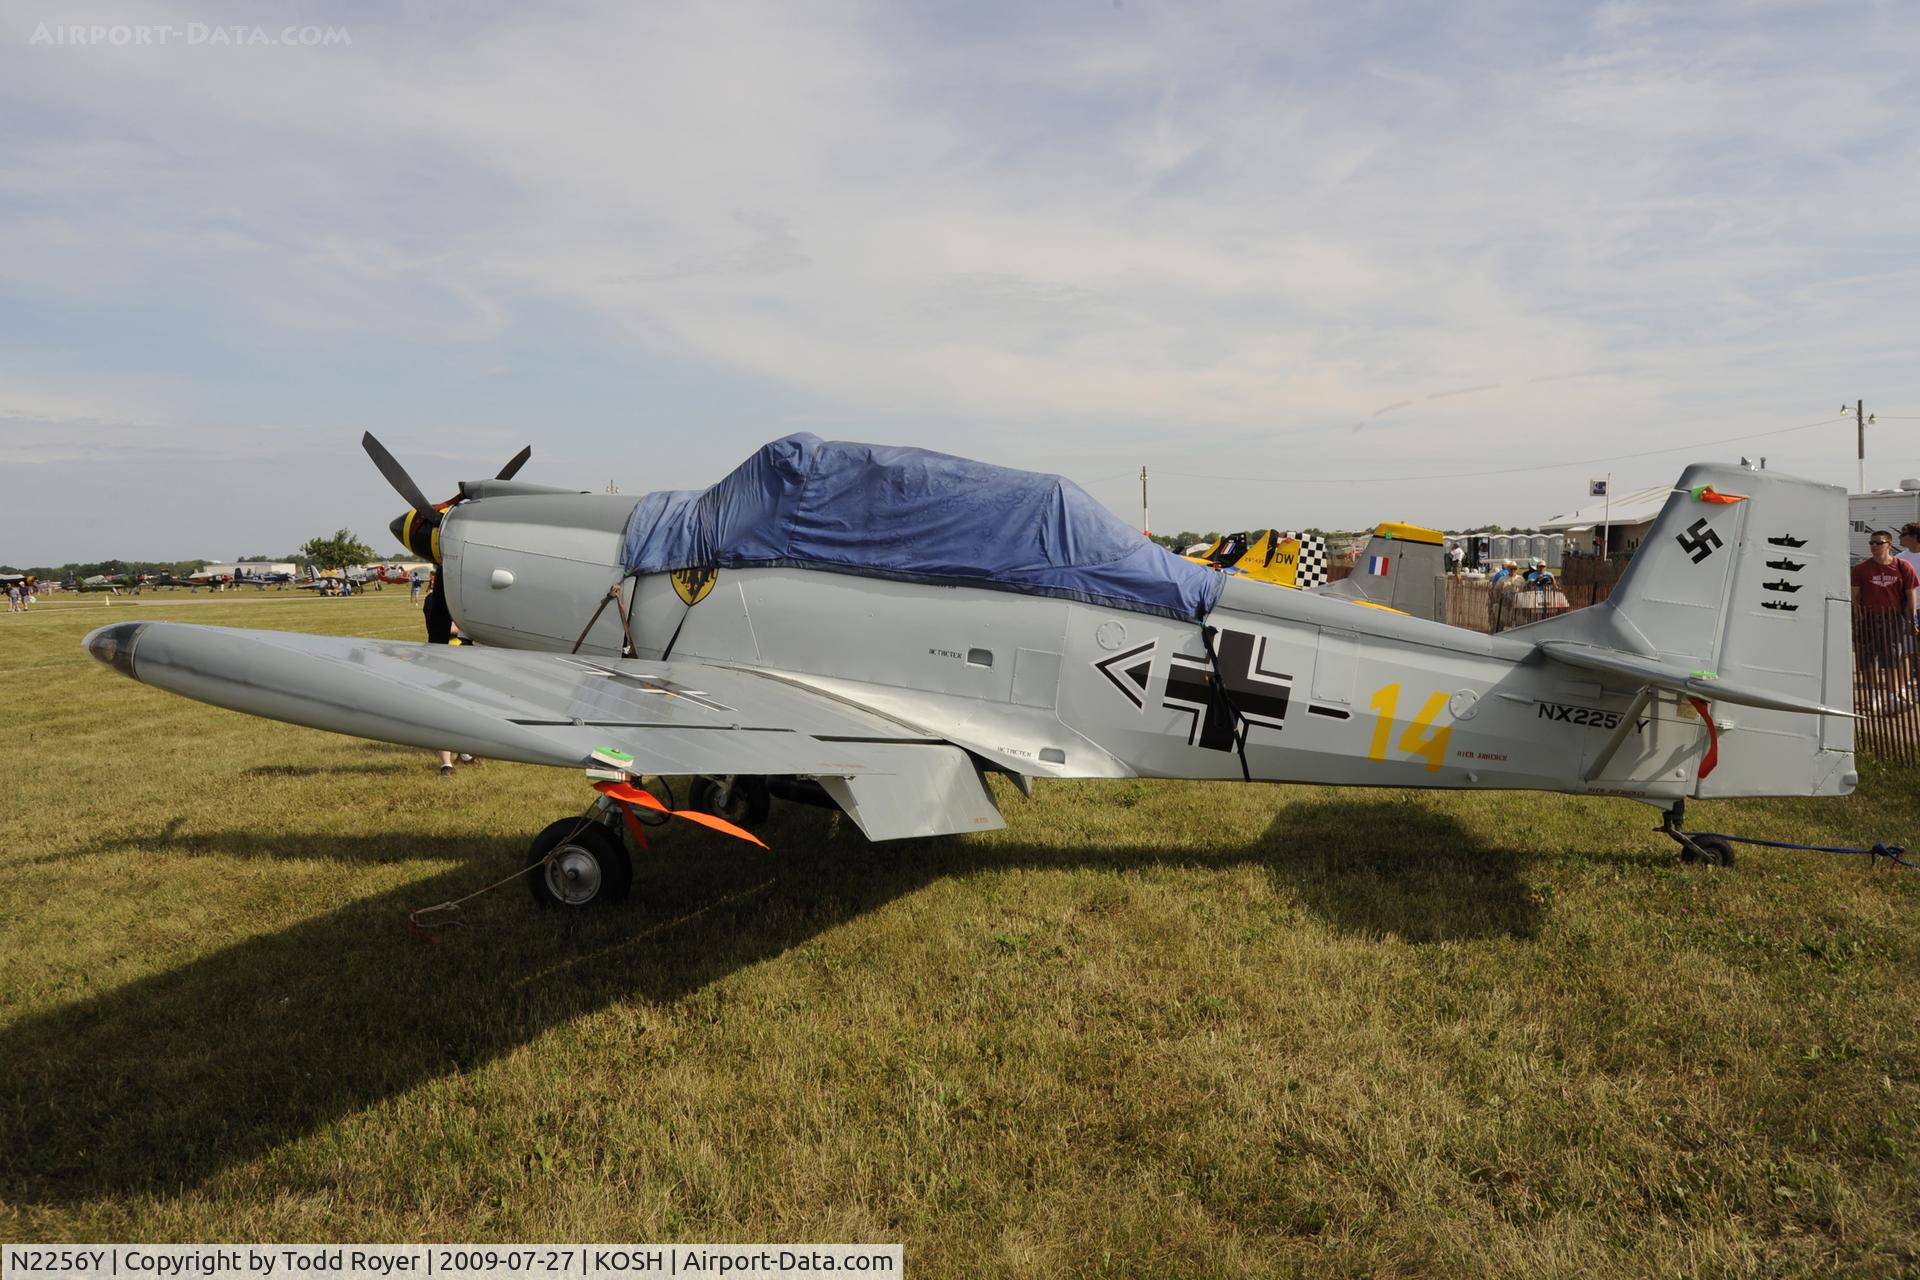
[{"x": 1699, "y": 541}]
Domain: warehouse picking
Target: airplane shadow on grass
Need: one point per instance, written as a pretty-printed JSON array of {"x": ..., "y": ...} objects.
[
  {"x": 322, "y": 770},
  {"x": 310, "y": 846},
  {"x": 163, "y": 1083}
]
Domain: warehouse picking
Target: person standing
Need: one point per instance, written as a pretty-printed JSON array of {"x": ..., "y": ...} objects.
[
  {"x": 442, "y": 629},
  {"x": 1910, "y": 545},
  {"x": 1910, "y": 554},
  {"x": 1884, "y": 603},
  {"x": 13, "y": 597},
  {"x": 1457, "y": 554},
  {"x": 439, "y": 620}
]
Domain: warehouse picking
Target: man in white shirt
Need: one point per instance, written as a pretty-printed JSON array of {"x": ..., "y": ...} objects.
[
  {"x": 1910, "y": 552},
  {"x": 1910, "y": 546}
]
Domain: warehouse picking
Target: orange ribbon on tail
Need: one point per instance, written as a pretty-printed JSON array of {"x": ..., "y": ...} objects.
[
  {"x": 627, "y": 793},
  {"x": 1707, "y": 493}
]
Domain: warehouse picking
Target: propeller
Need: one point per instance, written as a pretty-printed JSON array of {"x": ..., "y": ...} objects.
[{"x": 418, "y": 529}]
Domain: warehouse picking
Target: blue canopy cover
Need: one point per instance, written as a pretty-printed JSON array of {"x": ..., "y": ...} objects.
[{"x": 916, "y": 516}]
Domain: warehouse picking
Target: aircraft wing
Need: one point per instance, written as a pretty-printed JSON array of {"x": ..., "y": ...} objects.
[
  {"x": 681, "y": 717},
  {"x": 1675, "y": 678}
]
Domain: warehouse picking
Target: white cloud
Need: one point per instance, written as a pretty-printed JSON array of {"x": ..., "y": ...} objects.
[{"x": 1095, "y": 231}]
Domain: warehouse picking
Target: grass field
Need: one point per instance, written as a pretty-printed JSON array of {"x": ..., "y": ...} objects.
[{"x": 1150, "y": 1029}]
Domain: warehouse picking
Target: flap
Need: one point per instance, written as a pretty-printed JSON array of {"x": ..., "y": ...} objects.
[{"x": 926, "y": 791}]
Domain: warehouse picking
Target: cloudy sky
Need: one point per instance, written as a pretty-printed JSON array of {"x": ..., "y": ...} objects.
[{"x": 1310, "y": 264}]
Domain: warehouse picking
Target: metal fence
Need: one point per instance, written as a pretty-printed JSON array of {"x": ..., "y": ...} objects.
[
  {"x": 1480, "y": 606},
  {"x": 1886, "y": 668},
  {"x": 1886, "y": 687}
]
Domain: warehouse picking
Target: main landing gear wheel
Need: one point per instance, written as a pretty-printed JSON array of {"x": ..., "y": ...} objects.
[
  {"x": 742, "y": 801},
  {"x": 578, "y": 863},
  {"x": 1711, "y": 851}
]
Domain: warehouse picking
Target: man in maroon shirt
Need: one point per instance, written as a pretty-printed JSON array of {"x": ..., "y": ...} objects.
[{"x": 1884, "y": 591}]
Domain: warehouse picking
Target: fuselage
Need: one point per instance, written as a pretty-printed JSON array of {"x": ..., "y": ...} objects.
[{"x": 1324, "y": 690}]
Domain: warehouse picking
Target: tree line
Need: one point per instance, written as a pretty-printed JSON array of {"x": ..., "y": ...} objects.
[{"x": 341, "y": 550}]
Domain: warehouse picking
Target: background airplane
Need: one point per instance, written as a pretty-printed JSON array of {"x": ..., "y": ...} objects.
[{"x": 1400, "y": 568}]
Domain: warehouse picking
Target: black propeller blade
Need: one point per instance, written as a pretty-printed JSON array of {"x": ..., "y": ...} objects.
[
  {"x": 415, "y": 529},
  {"x": 397, "y": 477},
  {"x": 403, "y": 483},
  {"x": 514, "y": 464}
]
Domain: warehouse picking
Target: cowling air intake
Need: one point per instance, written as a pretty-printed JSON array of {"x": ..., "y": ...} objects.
[{"x": 419, "y": 529}]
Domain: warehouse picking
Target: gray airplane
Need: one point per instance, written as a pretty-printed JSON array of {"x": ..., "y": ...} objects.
[{"x": 879, "y": 628}]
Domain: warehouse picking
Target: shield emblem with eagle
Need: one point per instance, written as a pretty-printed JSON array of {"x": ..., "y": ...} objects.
[{"x": 692, "y": 585}]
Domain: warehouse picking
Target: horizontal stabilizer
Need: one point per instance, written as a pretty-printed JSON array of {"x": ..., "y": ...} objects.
[{"x": 1675, "y": 678}]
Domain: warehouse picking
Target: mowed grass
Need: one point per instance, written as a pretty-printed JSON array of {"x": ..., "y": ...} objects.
[{"x": 1151, "y": 1028}]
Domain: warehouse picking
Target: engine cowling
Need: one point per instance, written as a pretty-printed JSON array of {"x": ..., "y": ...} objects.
[{"x": 529, "y": 570}]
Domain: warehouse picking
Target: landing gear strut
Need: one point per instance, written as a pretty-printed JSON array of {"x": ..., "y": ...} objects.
[
  {"x": 1709, "y": 850},
  {"x": 738, "y": 798}
]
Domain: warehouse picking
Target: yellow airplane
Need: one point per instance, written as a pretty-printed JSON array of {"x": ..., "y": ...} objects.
[
  {"x": 1268, "y": 555},
  {"x": 1396, "y": 570}
]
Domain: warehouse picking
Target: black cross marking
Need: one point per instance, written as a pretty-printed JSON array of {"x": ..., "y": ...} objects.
[
  {"x": 1699, "y": 541},
  {"x": 1258, "y": 694}
]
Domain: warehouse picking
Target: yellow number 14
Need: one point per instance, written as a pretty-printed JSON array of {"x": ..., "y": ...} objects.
[{"x": 1420, "y": 739}]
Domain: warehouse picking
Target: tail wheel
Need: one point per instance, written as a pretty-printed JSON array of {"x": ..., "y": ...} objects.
[
  {"x": 578, "y": 863},
  {"x": 1714, "y": 851},
  {"x": 742, "y": 801}
]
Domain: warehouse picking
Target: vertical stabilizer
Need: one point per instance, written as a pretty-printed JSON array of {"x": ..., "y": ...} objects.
[
  {"x": 1744, "y": 577},
  {"x": 1274, "y": 557},
  {"x": 1402, "y": 567}
]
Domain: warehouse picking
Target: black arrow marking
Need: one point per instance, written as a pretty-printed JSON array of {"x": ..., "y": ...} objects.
[{"x": 1128, "y": 672}]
